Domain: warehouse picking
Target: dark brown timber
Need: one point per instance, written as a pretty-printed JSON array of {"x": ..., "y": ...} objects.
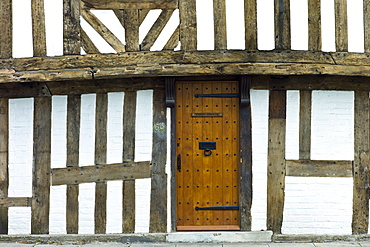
[
  {"x": 129, "y": 120},
  {"x": 360, "y": 216},
  {"x": 158, "y": 197},
  {"x": 101, "y": 158},
  {"x": 4, "y": 162},
  {"x": 245, "y": 166},
  {"x": 276, "y": 160},
  {"x": 41, "y": 166},
  {"x": 73, "y": 141}
]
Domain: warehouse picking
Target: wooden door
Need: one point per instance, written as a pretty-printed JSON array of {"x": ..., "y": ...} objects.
[{"x": 207, "y": 152}]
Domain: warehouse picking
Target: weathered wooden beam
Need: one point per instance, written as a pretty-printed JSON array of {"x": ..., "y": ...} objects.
[
  {"x": 6, "y": 24},
  {"x": 16, "y": 202},
  {"x": 276, "y": 160},
  {"x": 4, "y": 162},
  {"x": 360, "y": 215},
  {"x": 250, "y": 19},
  {"x": 245, "y": 165},
  {"x": 156, "y": 29},
  {"x": 131, "y": 24},
  {"x": 219, "y": 20},
  {"x": 305, "y": 106},
  {"x": 41, "y": 166},
  {"x": 73, "y": 142},
  {"x": 314, "y": 25},
  {"x": 282, "y": 25},
  {"x": 319, "y": 168},
  {"x": 366, "y": 5},
  {"x": 99, "y": 173},
  {"x": 341, "y": 25},
  {"x": 101, "y": 119},
  {"x": 173, "y": 41},
  {"x": 23, "y": 90},
  {"x": 170, "y": 63},
  {"x": 71, "y": 27},
  {"x": 38, "y": 28},
  {"x": 129, "y": 120},
  {"x": 131, "y": 4},
  {"x": 103, "y": 86},
  {"x": 158, "y": 196},
  {"x": 86, "y": 43},
  {"x": 188, "y": 25},
  {"x": 104, "y": 32}
]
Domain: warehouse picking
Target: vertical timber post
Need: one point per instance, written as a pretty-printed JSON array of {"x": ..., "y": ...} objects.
[
  {"x": 38, "y": 28},
  {"x": 4, "y": 162},
  {"x": 71, "y": 27},
  {"x": 314, "y": 25},
  {"x": 6, "y": 47},
  {"x": 250, "y": 19},
  {"x": 276, "y": 160},
  {"x": 282, "y": 25},
  {"x": 366, "y": 4},
  {"x": 188, "y": 25},
  {"x": 41, "y": 165},
  {"x": 245, "y": 165},
  {"x": 360, "y": 216},
  {"x": 341, "y": 26},
  {"x": 219, "y": 13},
  {"x": 158, "y": 196},
  {"x": 73, "y": 141},
  {"x": 129, "y": 119},
  {"x": 305, "y": 106},
  {"x": 101, "y": 158}
]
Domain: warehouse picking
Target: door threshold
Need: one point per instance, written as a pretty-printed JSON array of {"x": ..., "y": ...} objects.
[
  {"x": 219, "y": 236},
  {"x": 209, "y": 228}
]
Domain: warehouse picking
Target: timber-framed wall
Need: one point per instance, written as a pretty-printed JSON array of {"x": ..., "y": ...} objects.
[{"x": 135, "y": 67}]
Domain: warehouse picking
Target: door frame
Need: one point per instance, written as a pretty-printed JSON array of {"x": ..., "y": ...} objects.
[{"x": 245, "y": 144}]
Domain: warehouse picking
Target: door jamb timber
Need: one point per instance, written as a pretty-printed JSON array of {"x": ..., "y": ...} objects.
[{"x": 245, "y": 164}]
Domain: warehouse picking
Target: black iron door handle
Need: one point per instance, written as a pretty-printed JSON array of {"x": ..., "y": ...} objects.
[{"x": 179, "y": 163}]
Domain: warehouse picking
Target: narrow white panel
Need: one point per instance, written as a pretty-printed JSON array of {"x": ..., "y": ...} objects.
[
  {"x": 328, "y": 25},
  {"x": 20, "y": 147},
  {"x": 299, "y": 24},
  {"x": 205, "y": 24},
  {"x": 144, "y": 126},
  {"x": 235, "y": 24},
  {"x": 86, "y": 212},
  {"x": 292, "y": 125},
  {"x": 87, "y": 130},
  {"x": 265, "y": 24},
  {"x": 115, "y": 129},
  {"x": 57, "y": 220},
  {"x": 22, "y": 29},
  {"x": 142, "y": 205},
  {"x": 54, "y": 27},
  {"x": 259, "y": 101},
  {"x": 355, "y": 26},
  {"x": 59, "y": 132},
  {"x": 114, "y": 207}
]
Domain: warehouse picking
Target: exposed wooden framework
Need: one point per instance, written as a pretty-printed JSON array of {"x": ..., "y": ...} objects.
[{"x": 135, "y": 67}]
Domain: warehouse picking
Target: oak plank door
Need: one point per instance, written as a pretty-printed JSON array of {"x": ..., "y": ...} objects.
[{"x": 207, "y": 153}]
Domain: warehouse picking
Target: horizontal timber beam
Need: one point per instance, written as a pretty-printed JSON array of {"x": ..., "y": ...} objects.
[
  {"x": 131, "y": 4},
  {"x": 179, "y": 63},
  {"x": 101, "y": 173},
  {"x": 319, "y": 168},
  {"x": 16, "y": 202}
]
